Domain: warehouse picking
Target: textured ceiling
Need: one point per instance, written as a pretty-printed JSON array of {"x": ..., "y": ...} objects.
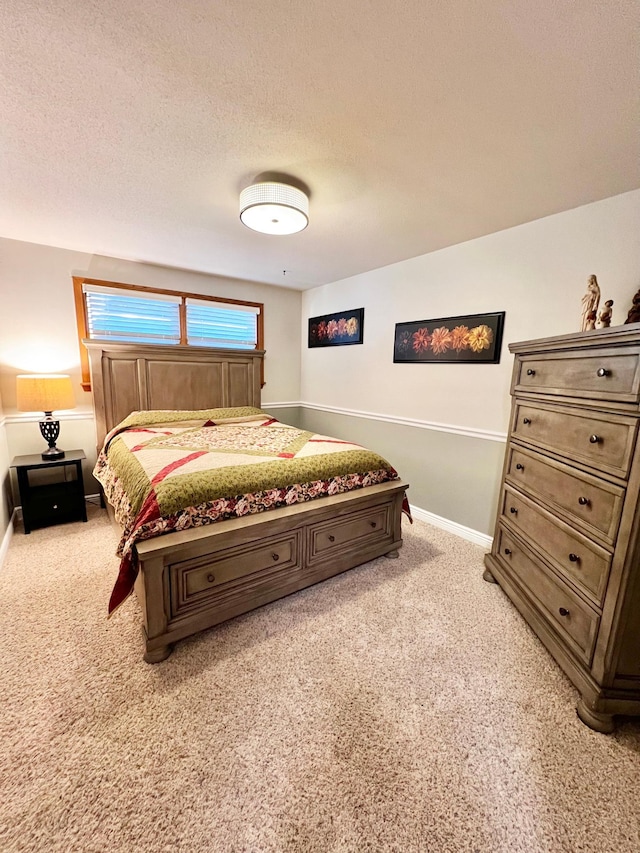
[{"x": 128, "y": 129}]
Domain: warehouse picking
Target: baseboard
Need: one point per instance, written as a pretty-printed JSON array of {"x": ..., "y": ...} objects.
[
  {"x": 460, "y": 530},
  {"x": 6, "y": 539}
]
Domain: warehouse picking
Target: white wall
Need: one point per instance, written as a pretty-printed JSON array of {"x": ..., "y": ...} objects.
[
  {"x": 536, "y": 272},
  {"x": 38, "y": 330}
]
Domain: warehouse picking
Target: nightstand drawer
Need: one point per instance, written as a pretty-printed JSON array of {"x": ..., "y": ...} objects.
[
  {"x": 604, "y": 442},
  {"x": 591, "y": 503},
  {"x": 54, "y": 502},
  {"x": 569, "y": 616},
  {"x": 574, "y": 555}
]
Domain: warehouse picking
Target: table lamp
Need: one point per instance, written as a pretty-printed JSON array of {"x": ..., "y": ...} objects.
[{"x": 46, "y": 393}]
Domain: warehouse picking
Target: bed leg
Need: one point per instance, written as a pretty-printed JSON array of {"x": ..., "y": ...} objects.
[
  {"x": 393, "y": 555},
  {"x": 157, "y": 655}
]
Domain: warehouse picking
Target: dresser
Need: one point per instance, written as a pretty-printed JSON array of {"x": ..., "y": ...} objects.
[{"x": 566, "y": 549}]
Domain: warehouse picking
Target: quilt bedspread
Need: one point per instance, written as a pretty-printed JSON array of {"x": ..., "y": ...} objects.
[{"x": 165, "y": 471}]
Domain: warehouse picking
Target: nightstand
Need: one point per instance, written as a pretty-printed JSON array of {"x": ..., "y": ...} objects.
[{"x": 55, "y": 502}]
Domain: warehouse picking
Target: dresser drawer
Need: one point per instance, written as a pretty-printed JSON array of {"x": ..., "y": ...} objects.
[
  {"x": 327, "y": 537},
  {"x": 570, "y": 617},
  {"x": 574, "y": 556},
  {"x": 195, "y": 582},
  {"x": 604, "y": 442},
  {"x": 591, "y": 503},
  {"x": 605, "y": 374}
]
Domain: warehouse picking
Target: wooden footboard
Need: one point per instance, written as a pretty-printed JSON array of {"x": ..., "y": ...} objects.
[{"x": 195, "y": 579}]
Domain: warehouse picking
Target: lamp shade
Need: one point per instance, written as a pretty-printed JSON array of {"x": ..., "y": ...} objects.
[
  {"x": 274, "y": 208},
  {"x": 44, "y": 393}
]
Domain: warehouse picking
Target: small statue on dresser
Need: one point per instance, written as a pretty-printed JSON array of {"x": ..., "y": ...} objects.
[
  {"x": 604, "y": 317},
  {"x": 634, "y": 312},
  {"x": 590, "y": 302}
]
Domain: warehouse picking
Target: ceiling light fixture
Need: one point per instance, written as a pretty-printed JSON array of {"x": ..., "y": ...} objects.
[{"x": 274, "y": 208}]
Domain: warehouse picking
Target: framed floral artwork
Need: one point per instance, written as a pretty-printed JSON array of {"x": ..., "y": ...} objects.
[
  {"x": 336, "y": 330},
  {"x": 468, "y": 339}
]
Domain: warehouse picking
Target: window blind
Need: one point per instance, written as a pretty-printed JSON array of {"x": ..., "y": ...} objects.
[
  {"x": 121, "y": 315},
  {"x": 221, "y": 324}
]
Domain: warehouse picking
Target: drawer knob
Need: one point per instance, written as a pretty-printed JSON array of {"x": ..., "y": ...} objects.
[
  {"x": 526, "y": 420},
  {"x": 275, "y": 557},
  {"x": 583, "y": 501},
  {"x": 513, "y": 510},
  {"x": 574, "y": 558},
  {"x": 519, "y": 466},
  {"x": 604, "y": 372},
  {"x": 211, "y": 578},
  {"x": 332, "y": 538},
  {"x": 595, "y": 439},
  {"x": 563, "y": 611},
  {"x": 531, "y": 372},
  {"x": 373, "y": 523},
  {"x": 507, "y": 551}
]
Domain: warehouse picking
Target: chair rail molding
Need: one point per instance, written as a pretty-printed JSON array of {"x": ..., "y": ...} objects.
[{"x": 471, "y": 432}]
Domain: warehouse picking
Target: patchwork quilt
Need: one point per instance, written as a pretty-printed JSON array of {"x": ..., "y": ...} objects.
[{"x": 164, "y": 471}]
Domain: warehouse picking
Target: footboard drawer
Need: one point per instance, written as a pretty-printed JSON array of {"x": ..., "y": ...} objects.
[
  {"x": 195, "y": 582},
  {"x": 367, "y": 527}
]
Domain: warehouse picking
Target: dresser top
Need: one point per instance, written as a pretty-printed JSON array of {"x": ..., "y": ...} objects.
[{"x": 626, "y": 334}]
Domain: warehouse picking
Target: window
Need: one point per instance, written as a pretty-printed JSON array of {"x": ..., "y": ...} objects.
[
  {"x": 118, "y": 315},
  {"x": 119, "y": 312},
  {"x": 218, "y": 324}
]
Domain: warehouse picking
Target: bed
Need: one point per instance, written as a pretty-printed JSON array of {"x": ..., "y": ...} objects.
[{"x": 196, "y": 573}]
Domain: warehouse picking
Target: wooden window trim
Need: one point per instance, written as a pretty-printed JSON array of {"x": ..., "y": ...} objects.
[{"x": 83, "y": 325}]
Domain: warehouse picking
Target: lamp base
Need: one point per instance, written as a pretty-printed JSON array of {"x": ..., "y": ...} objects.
[
  {"x": 52, "y": 453},
  {"x": 50, "y": 430}
]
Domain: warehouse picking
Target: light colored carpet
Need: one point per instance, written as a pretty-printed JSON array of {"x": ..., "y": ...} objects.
[{"x": 403, "y": 706}]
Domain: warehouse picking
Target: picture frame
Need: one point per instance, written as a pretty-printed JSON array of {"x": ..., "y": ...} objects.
[
  {"x": 342, "y": 328},
  {"x": 465, "y": 339}
]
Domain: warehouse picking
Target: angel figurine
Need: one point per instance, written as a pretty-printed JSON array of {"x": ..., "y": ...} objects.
[{"x": 590, "y": 302}]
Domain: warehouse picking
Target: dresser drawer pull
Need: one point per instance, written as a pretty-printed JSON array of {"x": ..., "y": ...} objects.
[
  {"x": 604, "y": 372},
  {"x": 526, "y": 420},
  {"x": 595, "y": 439},
  {"x": 531, "y": 372},
  {"x": 373, "y": 524},
  {"x": 507, "y": 551},
  {"x": 211, "y": 578},
  {"x": 513, "y": 510},
  {"x": 332, "y": 538},
  {"x": 584, "y": 501},
  {"x": 563, "y": 611},
  {"x": 275, "y": 557},
  {"x": 519, "y": 466},
  {"x": 574, "y": 558}
]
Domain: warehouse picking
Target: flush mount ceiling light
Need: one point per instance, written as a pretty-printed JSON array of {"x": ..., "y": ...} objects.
[{"x": 274, "y": 208}]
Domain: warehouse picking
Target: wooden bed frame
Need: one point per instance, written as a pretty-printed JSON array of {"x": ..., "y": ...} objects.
[{"x": 191, "y": 580}]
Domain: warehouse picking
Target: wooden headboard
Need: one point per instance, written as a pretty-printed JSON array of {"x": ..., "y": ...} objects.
[{"x": 128, "y": 377}]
